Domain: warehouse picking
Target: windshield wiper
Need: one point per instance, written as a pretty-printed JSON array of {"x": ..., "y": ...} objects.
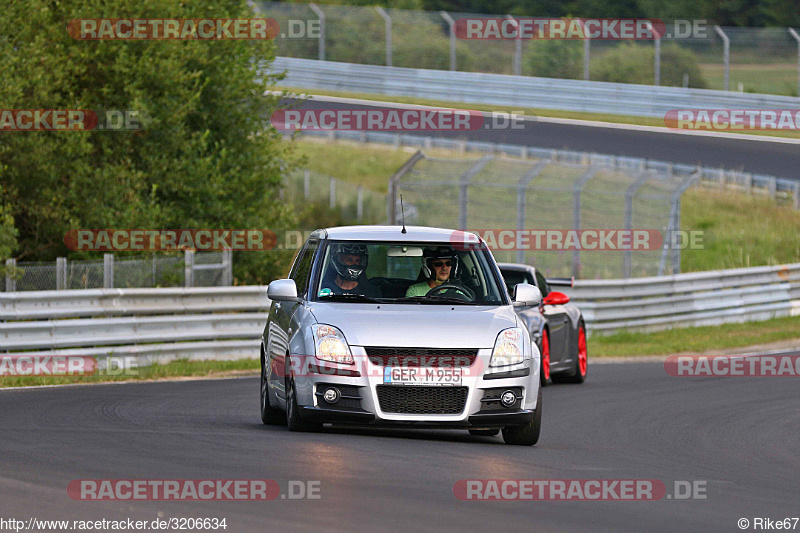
[
  {"x": 432, "y": 300},
  {"x": 350, "y": 298}
]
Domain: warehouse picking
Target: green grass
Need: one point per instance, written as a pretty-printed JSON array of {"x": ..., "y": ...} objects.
[
  {"x": 536, "y": 112},
  {"x": 688, "y": 340},
  {"x": 181, "y": 368},
  {"x": 770, "y": 78}
]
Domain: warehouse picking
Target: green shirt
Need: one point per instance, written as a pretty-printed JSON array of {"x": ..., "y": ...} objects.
[{"x": 420, "y": 289}]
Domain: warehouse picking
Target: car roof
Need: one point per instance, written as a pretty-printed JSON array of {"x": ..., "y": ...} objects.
[
  {"x": 393, "y": 233},
  {"x": 516, "y": 266}
]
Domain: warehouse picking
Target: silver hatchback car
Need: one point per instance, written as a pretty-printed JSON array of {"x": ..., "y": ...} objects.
[{"x": 391, "y": 326}]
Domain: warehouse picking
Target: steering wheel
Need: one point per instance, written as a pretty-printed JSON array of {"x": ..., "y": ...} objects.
[{"x": 457, "y": 288}]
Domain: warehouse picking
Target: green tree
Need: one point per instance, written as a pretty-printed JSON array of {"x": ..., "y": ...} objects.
[
  {"x": 632, "y": 63},
  {"x": 554, "y": 59},
  {"x": 204, "y": 158}
]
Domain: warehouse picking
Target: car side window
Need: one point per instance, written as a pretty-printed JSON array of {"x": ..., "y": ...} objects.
[
  {"x": 542, "y": 284},
  {"x": 302, "y": 269}
]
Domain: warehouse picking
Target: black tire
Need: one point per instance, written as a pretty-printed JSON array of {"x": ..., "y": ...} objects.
[
  {"x": 526, "y": 435},
  {"x": 269, "y": 415},
  {"x": 484, "y": 432},
  {"x": 293, "y": 419},
  {"x": 545, "y": 343},
  {"x": 580, "y": 363}
]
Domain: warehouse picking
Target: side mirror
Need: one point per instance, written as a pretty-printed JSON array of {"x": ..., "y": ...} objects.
[
  {"x": 282, "y": 290},
  {"x": 527, "y": 294},
  {"x": 556, "y": 298}
]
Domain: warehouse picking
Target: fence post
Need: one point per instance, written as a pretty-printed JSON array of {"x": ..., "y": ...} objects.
[
  {"x": 61, "y": 273},
  {"x": 463, "y": 189},
  {"x": 629, "y": 194},
  {"x": 306, "y": 184},
  {"x": 360, "y": 204},
  {"x": 388, "y": 20},
  {"x": 391, "y": 199},
  {"x": 797, "y": 38},
  {"x": 315, "y": 8},
  {"x": 11, "y": 267},
  {"x": 517, "y": 64},
  {"x": 108, "y": 271},
  {"x": 773, "y": 187},
  {"x": 227, "y": 267},
  {"x": 726, "y": 54},
  {"x": 587, "y": 57},
  {"x": 188, "y": 268},
  {"x": 577, "y": 189},
  {"x": 657, "y": 61},
  {"x": 333, "y": 193},
  {"x": 522, "y": 199},
  {"x": 451, "y": 23}
]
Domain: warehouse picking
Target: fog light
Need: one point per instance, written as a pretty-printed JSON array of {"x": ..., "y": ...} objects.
[
  {"x": 331, "y": 395},
  {"x": 508, "y": 398}
]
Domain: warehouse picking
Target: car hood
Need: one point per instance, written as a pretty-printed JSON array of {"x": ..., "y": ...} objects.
[{"x": 415, "y": 325}]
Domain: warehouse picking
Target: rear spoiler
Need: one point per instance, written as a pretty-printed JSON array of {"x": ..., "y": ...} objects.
[{"x": 561, "y": 282}]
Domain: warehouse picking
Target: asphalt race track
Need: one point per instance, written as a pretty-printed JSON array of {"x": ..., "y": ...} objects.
[
  {"x": 772, "y": 158},
  {"x": 628, "y": 421}
]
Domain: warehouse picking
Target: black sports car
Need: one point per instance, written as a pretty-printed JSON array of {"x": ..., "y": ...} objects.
[{"x": 556, "y": 326}]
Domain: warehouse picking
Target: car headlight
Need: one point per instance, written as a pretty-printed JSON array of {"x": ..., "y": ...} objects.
[
  {"x": 507, "y": 348},
  {"x": 331, "y": 345}
]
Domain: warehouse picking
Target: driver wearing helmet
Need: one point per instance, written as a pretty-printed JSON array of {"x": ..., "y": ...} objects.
[
  {"x": 438, "y": 266},
  {"x": 350, "y": 262}
]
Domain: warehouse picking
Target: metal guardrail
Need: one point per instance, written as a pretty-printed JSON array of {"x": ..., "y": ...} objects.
[
  {"x": 151, "y": 324},
  {"x": 696, "y": 299},
  {"x": 158, "y": 325},
  {"x": 713, "y": 177},
  {"x": 523, "y": 91}
]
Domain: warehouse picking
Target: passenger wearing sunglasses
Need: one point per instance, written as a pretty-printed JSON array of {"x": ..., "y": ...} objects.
[{"x": 438, "y": 267}]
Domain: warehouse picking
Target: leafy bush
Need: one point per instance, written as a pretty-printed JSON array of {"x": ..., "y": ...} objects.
[
  {"x": 554, "y": 59},
  {"x": 633, "y": 63}
]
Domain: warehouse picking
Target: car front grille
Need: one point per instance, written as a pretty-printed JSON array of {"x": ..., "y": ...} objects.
[
  {"x": 441, "y": 357},
  {"x": 422, "y": 400}
]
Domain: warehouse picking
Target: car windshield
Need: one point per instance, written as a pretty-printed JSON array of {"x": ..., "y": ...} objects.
[{"x": 413, "y": 273}]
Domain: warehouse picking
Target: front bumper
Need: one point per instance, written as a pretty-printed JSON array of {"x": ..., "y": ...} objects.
[{"x": 480, "y": 409}]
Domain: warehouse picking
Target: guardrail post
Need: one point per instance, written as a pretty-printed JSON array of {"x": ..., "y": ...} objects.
[
  {"x": 451, "y": 23},
  {"x": 772, "y": 183},
  {"x": 797, "y": 38},
  {"x": 188, "y": 268},
  {"x": 11, "y": 281},
  {"x": 108, "y": 271},
  {"x": 577, "y": 188},
  {"x": 463, "y": 189},
  {"x": 388, "y": 20},
  {"x": 333, "y": 193},
  {"x": 61, "y": 273},
  {"x": 748, "y": 182},
  {"x": 726, "y": 54},
  {"x": 796, "y": 194},
  {"x": 360, "y": 203},
  {"x": 315, "y": 8},
  {"x": 522, "y": 190}
]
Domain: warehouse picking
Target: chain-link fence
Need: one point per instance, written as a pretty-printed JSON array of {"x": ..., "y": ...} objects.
[
  {"x": 186, "y": 269},
  {"x": 578, "y": 217},
  {"x": 692, "y": 53},
  {"x": 302, "y": 187}
]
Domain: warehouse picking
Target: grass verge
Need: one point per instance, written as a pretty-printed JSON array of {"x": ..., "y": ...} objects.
[
  {"x": 694, "y": 340},
  {"x": 535, "y": 112},
  {"x": 174, "y": 369}
]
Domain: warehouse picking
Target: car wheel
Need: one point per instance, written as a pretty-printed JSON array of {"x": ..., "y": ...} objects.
[
  {"x": 526, "y": 435},
  {"x": 545, "y": 378},
  {"x": 484, "y": 432},
  {"x": 269, "y": 415},
  {"x": 580, "y": 366},
  {"x": 293, "y": 419}
]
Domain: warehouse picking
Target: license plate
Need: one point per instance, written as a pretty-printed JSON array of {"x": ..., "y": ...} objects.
[{"x": 395, "y": 375}]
